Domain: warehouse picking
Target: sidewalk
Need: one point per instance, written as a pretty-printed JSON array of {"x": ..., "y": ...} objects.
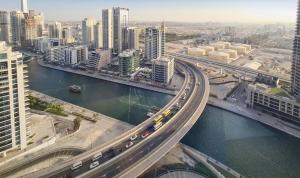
[{"x": 257, "y": 116}]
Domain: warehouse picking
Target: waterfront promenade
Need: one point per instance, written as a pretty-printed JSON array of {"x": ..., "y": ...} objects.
[{"x": 115, "y": 79}]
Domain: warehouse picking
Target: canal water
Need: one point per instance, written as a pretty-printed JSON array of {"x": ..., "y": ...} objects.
[{"x": 251, "y": 148}]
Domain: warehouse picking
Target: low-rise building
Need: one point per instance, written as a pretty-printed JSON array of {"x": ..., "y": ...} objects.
[
  {"x": 198, "y": 52},
  {"x": 232, "y": 53},
  {"x": 99, "y": 59},
  {"x": 129, "y": 62},
  {"x": 163, "y": 70},
  {"x": 273, "y": 100},
  {"x": 219, "y": 56},
  {"x": 207, "y": 49}
]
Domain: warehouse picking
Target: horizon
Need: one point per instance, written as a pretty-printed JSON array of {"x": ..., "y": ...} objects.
[{"x": 191, "y": 11}]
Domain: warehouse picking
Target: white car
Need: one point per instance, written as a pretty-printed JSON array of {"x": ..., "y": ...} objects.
[
  {"x": 133, "y": 137},
  {"x": 94, "y": 164},
  {"x": 129, "y": 144}
]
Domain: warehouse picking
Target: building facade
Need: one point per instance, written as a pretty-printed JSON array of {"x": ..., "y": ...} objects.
[
  {"x": 163, "y": 70},
  {"x": 5, "y": 27},
  {"x": 129, "y": 62},
  {"x": 107, "y": 25},
  {"x": 88, "y": 32},
  {"x": 99, "y": 59},
  {"x": 98, "y": 35},
  {"x": 17, "y": 27},
  {"x": 296, "y": 59},
  {"x": 153, "y": 43},
  {"x": 131, "y": 38},
  {"x": 55, "y": 30},
  {"x": 14, "y": 125},
  {"x": 120, "y": 21}
]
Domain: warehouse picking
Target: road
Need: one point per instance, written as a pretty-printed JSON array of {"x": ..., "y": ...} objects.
[
  {"x": 119, "y": 161},
  {"x": 229, "y": 67}
]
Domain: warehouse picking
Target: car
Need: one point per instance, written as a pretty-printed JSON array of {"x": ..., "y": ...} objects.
[
  {"x": 128, "y": 145},
  {"x": 76, "y": 165},
  {"x": 97, "y": 156},
  {"x": 132, "y": 138},
  {"x": 94, "y": 164},
  {"x": 145, "y": 134}
]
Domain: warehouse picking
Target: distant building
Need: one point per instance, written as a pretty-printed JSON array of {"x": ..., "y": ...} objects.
[
  {"x": 296, "y": 59},
  {"x": 273, "y": 100},
  {"x": 131, "y": 38},
  {"x": 88, "y": 32},
  {"x": 267, "y": 80},
  {"x": 55, "y": 30},
  {"x": 155, "y": 42},
  {"x": 98, "y": 35},
  {"x": 67, "y": 36},
  {"x": 17, "y": 27},
  {"x": 33, "y": 27},
  {"x": 5, "y": 27},
  {"x": 14, "y": 126},
  {"x": 99, "y": 59},
  {"x": 24, "y": 6},
  {"x": 120, "y": 21},
  {"x": 129, "y": 62},
  {"x": 163, "y": 70},
  {"x": 42, "y": 44},
  {"x": 107, "y": 25}
]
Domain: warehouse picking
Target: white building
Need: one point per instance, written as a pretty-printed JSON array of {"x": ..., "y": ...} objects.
[
  {"x": 107, "y": 25},
  {"x": 13, "y": 96},
  {"x": 88, "y": 33},
  {"x": 24, "y": 6},
  {"x": 153, "y": 43},
  {"x": 55, "y": 30},
  {"x": 42, "y": 44},
  {"x": 163, "y": 70},
  {"x": 120, "y": 21},
  {"x": 5, "y": 27}
]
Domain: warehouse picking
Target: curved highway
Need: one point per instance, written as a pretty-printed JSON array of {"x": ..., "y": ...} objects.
[{"x": 130, "y": 154}]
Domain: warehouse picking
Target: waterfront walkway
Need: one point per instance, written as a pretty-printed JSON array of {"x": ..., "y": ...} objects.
[
  {"x": 257, "y": 116},
  {"x": 115, "y": 79}
]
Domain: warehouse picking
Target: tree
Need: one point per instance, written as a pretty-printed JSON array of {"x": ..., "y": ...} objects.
[{"x": 77, "y": 123}]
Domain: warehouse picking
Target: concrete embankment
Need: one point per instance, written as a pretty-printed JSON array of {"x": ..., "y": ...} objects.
[{"x": 114, "y": 79}]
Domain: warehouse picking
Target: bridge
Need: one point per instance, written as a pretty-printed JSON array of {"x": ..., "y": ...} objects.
[
  {"x": 127, "y": 157},
  {"x": 232, "y": 68}
]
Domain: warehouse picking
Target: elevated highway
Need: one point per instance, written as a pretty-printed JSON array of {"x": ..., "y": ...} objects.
[{"x": 127, "y": 157}]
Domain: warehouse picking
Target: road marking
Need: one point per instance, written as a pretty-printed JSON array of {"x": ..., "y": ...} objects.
[{"x": 118, "y": 167}]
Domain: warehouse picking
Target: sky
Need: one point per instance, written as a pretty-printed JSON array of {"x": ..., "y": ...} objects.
[{"x": 229, "y": 11}]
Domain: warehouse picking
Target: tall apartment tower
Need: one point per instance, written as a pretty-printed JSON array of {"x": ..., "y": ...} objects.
[
  {"x": 131, "y": 38},
  {"x": 153, "y": 43},
  {"x": 107, "y": 25},
  {"x": 163, "y": 38},
  {"x": 17, "y": 20},
  {"x": 296, "y": 60},
  {"x": 5, "y": 27},
  {"x": 98, "y": 35},
  {"x": 120, "y": 21},
  {"x": 88, "y": 34},
  {"x": 13, "y": 107},
  {"x": 55, "y": 30},
  {"x": 24, "y": 6}
]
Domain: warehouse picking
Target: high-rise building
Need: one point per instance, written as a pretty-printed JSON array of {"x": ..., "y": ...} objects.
[
  {"x": 5, "y": 27},
  {"x": 107, "y": 25},
  {"x": 98, "y": 35},
  {"x": 17, "y": 27},
  {"x": 55, "y": 30},
  {"x": 131, "y": 38},
  {"x": 120, "y": 21},
  {"x": 88, "y": 34},
  {"x": 39, "y": 20},
  {"x": 162, "y": 70},
  {"x": 24, "y": 6},
  {"x": 31, "y": 31},
  {"x": 296, "y": 59},
  {"x": 13, "y": 107},
  {"x": 163, "y": 38},
  {"x": 153, "y": 43},
  {"x": 129, "y": 62},
  {"x": 67, "y": 35}
]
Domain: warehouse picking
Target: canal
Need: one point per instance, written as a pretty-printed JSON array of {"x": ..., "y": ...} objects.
[{"x": 251, "y": 148}]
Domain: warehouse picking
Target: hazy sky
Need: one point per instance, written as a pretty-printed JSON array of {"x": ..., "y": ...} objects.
[{"x": 249, "y": 11}]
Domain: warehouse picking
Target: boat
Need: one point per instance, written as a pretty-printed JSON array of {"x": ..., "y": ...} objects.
[{"x": 75, "y": 89}]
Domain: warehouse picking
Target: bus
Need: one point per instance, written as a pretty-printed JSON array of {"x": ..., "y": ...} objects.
[
  {"x": 76, "y": 165},
  {"x": 157, "y": 126},
  {"x": 158, "y": 119},
  {"x": 167, "y": 113}
]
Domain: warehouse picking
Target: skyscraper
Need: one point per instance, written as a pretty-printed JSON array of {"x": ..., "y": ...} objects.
[
  {"x": 88, "y": 34},
  {"x": 13, "y": 108},
  {"x": 130, "y": 38},
  {"x": 55, "y": 30},
  {"x": 296, "y": 59},
  {"x": 153, "y": 39},
  {"x": 17, "y": 27},
  {"x": 24, "y": 6},
  {"x": 120, "y": 21},
  {"x": 5, "y": 27},
  {"x": 107, "y": 25},
  {"x": 31, "y": 28},
  {"x": 98, "y": 35}
]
